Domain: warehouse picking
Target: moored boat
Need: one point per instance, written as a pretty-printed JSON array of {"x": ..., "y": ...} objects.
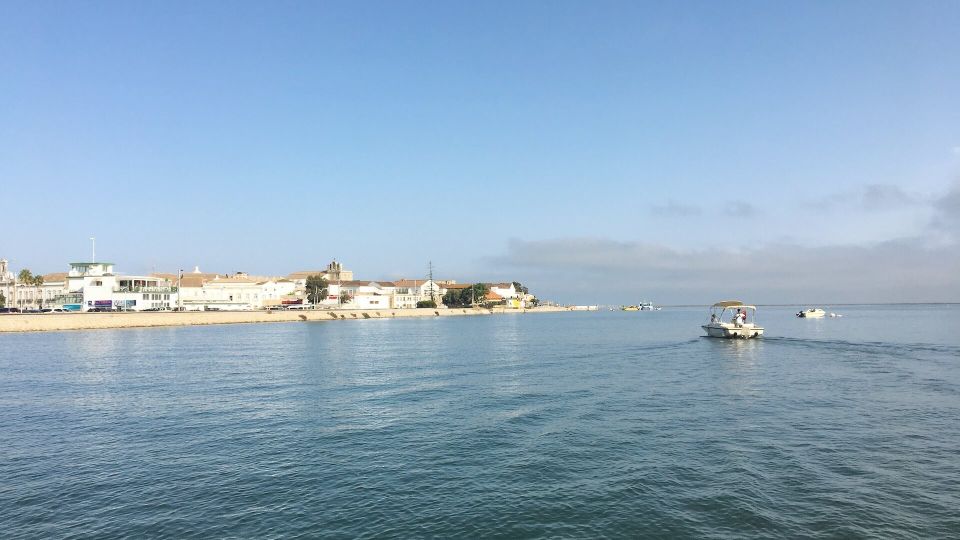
[
  {"x": 812, "y": 313},
  {"x": 742, "y": 323}
]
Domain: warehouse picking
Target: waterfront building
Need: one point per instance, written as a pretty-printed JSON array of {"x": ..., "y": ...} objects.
[
  {"x": 7, "y": 282},
  {"x": 216, "y": 292},
  {"x": 364, "y": 294},
  {"x": 95, "y": 285},
  {"x": 408, "y": 292},
  {"x": 512, "y": 298}
]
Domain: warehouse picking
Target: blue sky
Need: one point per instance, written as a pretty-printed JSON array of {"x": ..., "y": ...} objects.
[{"x": 539, "y": 141}]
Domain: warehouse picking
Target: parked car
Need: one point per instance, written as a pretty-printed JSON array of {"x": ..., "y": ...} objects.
[{"x": 9, "y": 310}]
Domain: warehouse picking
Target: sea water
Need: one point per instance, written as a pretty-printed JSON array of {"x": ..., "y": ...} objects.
[{"x": 623, "y": 424}]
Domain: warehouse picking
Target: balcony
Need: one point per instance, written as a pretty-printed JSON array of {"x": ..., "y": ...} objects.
[{"x": 160, "y": 290}]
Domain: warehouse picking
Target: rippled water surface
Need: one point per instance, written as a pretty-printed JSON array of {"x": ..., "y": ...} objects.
[{"x": 547, "y": 425}]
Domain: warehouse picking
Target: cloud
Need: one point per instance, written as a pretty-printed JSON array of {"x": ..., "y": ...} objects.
[
  {"x": 870, "y": 198},
  {"x": 922, "y": 268},
  {"x": 675, "y": 209},
  {"x": 946, "y": 217},
  {"x": 599, "y": 270},
  {"x": 741, "y": 209},
  {"x": 885, "y": 196}
]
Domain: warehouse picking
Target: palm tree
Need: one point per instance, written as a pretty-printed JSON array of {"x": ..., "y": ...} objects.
[
  {"x": 38, "y": 283},
  {"x": 26, "y": 277}
]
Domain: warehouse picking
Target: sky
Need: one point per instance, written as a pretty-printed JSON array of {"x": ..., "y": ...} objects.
[{"x": 598, "y": 152}]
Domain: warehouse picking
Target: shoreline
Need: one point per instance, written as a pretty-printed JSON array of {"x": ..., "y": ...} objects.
[{"x": 52, "y": 322}]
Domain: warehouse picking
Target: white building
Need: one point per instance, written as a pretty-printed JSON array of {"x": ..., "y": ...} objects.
[
  {"x": 364, "y": 294},
  {"x": 29, "y": 295},
  {"x": 6, "y": 282},
  {"x": 92, "y": 285},
  {"x": 512, "y": 298},
  {"x": 407, "y": 292},
  {"x": 213, "y": 292}
]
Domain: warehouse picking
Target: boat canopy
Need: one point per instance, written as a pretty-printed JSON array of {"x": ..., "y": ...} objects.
[{"x": 732, "y": 303}]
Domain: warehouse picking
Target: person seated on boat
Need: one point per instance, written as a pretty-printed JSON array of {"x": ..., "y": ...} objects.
[{"x": 713, "y": 318}]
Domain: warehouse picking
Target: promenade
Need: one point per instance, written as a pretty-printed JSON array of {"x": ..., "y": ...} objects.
[{"x": 89, "y": 321}]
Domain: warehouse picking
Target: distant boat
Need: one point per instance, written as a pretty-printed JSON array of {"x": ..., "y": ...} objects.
[
  {"x": 742, "y": 324},
  {"x": 630, "y": 308},
  {"x": 646, "y": 306},
  {"x": 812, "y": 313}
]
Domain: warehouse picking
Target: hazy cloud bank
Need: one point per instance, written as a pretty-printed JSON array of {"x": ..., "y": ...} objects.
[
  {"x": 871, "y": 198},
  {"x": 918, "y": 269}
]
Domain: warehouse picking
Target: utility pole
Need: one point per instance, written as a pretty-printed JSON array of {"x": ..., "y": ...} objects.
[
  {"x": 93, "y": 249},
  {"x": 180, "y": 291},
  {"x": 430, "y": 275}
]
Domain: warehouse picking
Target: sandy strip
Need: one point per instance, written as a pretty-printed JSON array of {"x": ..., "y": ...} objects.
[{"x": 42, "y": 322}]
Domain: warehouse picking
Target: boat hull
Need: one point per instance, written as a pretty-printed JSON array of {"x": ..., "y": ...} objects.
[{"x": 732, "y": 332}]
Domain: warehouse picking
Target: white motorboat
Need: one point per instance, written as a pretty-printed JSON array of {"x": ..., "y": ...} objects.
[
  {"x": 812, "y": 313},
  {"x": 646, "y": 306},
  {"x": 742, "y": 322}
]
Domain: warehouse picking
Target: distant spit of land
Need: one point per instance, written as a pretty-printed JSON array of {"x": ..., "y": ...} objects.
[{"x": 89, "y": 321}]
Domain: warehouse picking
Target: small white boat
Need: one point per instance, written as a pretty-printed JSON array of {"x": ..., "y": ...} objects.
[
  {"x": 812, "y": 313},
  {"x": 646, "y": 306},
  {"x": 742, "y": 323}
]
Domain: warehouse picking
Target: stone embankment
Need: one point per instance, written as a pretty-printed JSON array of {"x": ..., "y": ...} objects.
[{"x": 40, "y": 322}]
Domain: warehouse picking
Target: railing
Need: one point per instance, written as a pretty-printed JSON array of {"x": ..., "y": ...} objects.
[{"x": 164, "y": 290}]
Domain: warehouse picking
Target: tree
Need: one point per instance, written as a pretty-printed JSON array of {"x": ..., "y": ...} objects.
[
  {"x": 25, "y": 277},
  {"x": 426, "y": 304},
  {"x": 317, "y": 288},
  {"x": 520, "y": 288},
  {"x": 453, "y": 298},
  {"x": 465, "y": 297},
  {"x": 37, "y": 281},
  {"x": 3, "y": 300},
  {"x": 477, "y": 292},
  {"x": 345, "y": 298}
]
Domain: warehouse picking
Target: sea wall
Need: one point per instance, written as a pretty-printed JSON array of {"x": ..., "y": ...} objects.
[{"x": 40, "y": 322}]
